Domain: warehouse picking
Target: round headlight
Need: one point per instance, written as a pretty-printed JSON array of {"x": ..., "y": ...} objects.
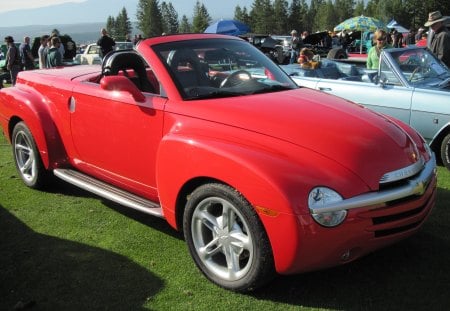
[{"x": 321, "y": 197}]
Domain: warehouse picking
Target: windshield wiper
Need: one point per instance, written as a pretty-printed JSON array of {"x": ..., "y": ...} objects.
[
  {"x": 195, "y": 94},
  {"x": 272, "y": 88}
]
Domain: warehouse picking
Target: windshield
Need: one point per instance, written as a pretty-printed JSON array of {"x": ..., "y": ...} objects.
[
  {"x": 420, "y": 65},
  {"x": 221, "y": 68}
]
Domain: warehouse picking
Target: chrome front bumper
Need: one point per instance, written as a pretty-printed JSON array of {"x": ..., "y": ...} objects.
[{"x": 414, "y": 186}]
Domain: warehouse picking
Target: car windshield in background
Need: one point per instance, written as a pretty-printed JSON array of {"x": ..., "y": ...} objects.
[
  {"x": 124, "y": 45},
  {"x": 221, "y": 68},
  {"x": 419, "y": 66}
]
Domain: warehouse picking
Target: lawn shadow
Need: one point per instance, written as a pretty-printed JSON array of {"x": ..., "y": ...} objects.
[
  {"x": 160, "y": 224},
  {"x": 411, "y": 275},
  {"x": 49, "y": 273}
]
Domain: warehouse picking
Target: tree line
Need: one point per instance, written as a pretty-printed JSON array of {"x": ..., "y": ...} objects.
[{"x": 155, "y": 18}]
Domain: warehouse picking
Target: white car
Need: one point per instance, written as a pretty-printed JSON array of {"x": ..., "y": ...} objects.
[{"x": 91, "y": 55}]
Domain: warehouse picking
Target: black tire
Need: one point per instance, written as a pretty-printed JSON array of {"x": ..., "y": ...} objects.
[
  {"x": 210, "y": 211},
  {"x": 337, "y": 53},
  {"x": 27, "y": 158},
  {"x": 445, "y": 151}
]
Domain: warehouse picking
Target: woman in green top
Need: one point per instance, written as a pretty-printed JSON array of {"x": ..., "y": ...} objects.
[{"x": 373, "y": 58}]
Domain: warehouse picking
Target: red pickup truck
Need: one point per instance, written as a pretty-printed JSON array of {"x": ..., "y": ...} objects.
[{"x": 262, "y": 176}]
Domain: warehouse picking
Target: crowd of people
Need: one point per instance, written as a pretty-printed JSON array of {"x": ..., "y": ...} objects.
[
  {"x": 50, "y": 54},
  {"x": 438, "y": 42}
]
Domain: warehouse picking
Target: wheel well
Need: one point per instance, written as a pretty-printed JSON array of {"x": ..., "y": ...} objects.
[
  {"x": 184, "y": 193},
  {"x": 437, "y": 142},
  {"x": 12, "y": 123}
]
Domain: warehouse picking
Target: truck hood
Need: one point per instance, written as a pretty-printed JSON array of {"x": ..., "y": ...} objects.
[{"x": 359, "y": 139}]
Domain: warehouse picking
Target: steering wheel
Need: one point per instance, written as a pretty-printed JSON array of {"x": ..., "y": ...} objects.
[
  {"x": 416, "y": 70},
  {"x": 235, "y": 78}
]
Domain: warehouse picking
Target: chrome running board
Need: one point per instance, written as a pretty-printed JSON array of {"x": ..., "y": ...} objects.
[{"x": 109, "y": 192}]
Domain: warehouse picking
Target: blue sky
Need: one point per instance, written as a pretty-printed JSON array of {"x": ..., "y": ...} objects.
[{"x": 99, "y": 10}]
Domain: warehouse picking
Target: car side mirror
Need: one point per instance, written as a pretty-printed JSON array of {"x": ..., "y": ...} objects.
[{"x": 122, "y": 84}]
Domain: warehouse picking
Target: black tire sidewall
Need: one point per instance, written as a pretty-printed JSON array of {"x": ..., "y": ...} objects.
[
  {"x": 261, "y": 270},
  {"x": 445, "y": 151}
]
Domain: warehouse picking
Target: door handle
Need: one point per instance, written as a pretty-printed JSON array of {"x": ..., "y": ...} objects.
[
  {"x": 325, "y": 89},
  {"x": 72, "y": 104}
]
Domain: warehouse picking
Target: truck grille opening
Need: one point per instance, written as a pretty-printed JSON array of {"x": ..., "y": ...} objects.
[{"x": 387, "y": 232}]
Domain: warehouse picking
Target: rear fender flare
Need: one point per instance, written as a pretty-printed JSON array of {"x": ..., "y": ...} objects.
[{"x": 25, "y": 104}]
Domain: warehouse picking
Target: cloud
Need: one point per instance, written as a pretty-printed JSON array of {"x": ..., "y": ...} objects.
[{"x": 33, "y": 4}]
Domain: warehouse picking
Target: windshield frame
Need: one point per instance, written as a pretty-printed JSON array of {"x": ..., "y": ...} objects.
[
  {"x": 232, "y": 55},
  {"x": 429, "y": 69}
]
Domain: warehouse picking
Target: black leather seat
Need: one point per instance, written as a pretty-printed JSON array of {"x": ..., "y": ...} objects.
[
  {"x": 187, "y": 68},
  {"x": 128, "y": 60}
]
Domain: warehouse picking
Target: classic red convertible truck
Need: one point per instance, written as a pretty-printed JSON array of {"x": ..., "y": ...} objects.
[{"x": 262, "y": 176}]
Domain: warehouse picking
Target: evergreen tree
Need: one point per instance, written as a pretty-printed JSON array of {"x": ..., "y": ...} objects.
[
  {"x": 261, "y": 15},
  {"x": 169, "y": 18},
  {"x": 359, "y": 8},
  {"x": 295, "y": 17},
  {"x": 122, "y": 26},
  {"x": 241, "y": 14},
  {"x": 326, "y": 18},
  {"x": 201, "y": 18},
  {"x": 280, "y": 12},
  {"x": 149, "y": 18},
  {"x": 312, "y": 13},
  {"x": 111, "y": 26},
  {"x": 185, "y": 26}
]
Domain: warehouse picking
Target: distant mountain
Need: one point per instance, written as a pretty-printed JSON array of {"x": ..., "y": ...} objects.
[
  {"x": 82, "y": 21},
  {"x": 69, "y": 13},
  {"x": 81, "y": 33}
]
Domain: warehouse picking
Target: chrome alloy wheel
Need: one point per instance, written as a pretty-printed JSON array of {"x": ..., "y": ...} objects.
[
  {"x": 25, "y": 156},
  {"x": 222, "y": 238}
]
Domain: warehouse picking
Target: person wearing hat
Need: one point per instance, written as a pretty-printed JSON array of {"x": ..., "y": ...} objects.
[
  {"x": 440, "y": 42},
  {"x": 296, "y": 44},
  {"x": 13, "y": 63}
]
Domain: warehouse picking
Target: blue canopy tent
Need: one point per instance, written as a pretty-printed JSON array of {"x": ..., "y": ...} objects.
[{"x": 228, "y": 27}]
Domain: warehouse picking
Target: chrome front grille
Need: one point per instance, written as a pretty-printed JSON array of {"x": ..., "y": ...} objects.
[{"x": 401, "y": 215}]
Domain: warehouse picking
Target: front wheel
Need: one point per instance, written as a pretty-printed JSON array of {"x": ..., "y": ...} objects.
[
  {"x": 445, "y": 151},
  {"x": 27, "y": 158},
  {"x": 226, "y": 238}
]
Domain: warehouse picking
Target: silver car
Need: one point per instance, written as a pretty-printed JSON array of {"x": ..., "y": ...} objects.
[{"x": 411, "y": 84}]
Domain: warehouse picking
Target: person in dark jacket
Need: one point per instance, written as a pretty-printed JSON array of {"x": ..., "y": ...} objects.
[
  {"x": 106, "y": 43},
  {"x": 440, "y": 42},
  {"x": 12, "y": 59},
  {"x": 27, "y": 59}
]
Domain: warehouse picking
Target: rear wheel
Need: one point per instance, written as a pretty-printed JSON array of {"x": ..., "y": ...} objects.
[
  {"x": 445, "y": 151},
  {"x": 226, "y": 238},
  {"x": 27, "y": 158},
  {"x": 337, "y": 53}
]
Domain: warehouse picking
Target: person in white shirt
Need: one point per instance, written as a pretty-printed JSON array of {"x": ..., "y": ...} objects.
[{"x": 42, "y": 52}]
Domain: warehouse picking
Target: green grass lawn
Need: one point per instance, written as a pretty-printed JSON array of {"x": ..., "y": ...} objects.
[{"x": 68, "y": 250}]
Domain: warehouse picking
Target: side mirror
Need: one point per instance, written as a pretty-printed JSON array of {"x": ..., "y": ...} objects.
[{"x": 122, "y": 84}]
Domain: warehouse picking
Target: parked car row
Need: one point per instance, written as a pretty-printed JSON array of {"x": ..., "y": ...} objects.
[
  {"x": 262, "y": 176},
  {"x": 278, "y": 47}
]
